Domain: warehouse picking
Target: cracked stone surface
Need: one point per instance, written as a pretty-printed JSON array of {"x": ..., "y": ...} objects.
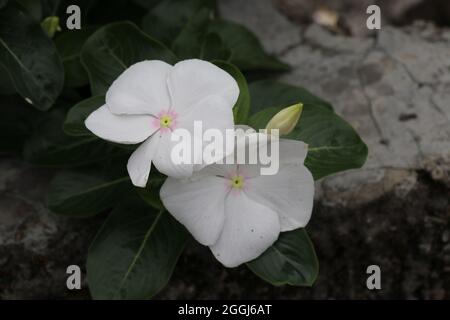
[{"x": 394, "y": 88}]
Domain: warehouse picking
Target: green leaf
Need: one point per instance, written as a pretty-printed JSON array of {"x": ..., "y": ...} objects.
[
  {"x": 30, "y": 57},
  {"x": 33, "y": 7},
  {"x": 135, "y": 252},
  {"x": 213, "y": 48},
  {"x": 113, "y": 48},
  {"x": 334, "y": 145},
  {"x": 242, "y": 107},
  {"x": 6, "y": 85},
  {"x": 69, "y": 46},
  {"x": 84, "y": 194},
  {"x": 290, "y": 260},
  {"x": 246, "y": 50},
  {"x": 74, "y": 124},
  {"x": 167, "y": 19},
  {"x": 270, "y": 93},
  {"x": 189, "y": 42},
  {"x": 50, "y": 146},
  {"x": 96, "y": 12},
  {"x": 150, "y": 194}
]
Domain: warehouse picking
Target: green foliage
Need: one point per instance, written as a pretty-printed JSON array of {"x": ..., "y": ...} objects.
[
  {"x": 167, "y": 20},
  {"x": 245, "y": 49},
  {"x": 16, "y": 123},
  {"x": 84, "y": 194},
  {"x": 74, "y": 123},
  {"x": 291, "y": 260},
  {"x": 69, "y": 46},
  {"x": 115, "y": 47},
  {"x": 191, "y": 28},
  {"x": 29, "y": 57},
  {"x": 135, "y": 252},
  {"x": 242, "y": 107},
  {"x": 50, "y": 146}
]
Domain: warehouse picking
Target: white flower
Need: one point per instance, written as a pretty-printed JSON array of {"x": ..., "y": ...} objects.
[
  {"x": 152, "y": 98},
  {"x": 239, "y": 213}
]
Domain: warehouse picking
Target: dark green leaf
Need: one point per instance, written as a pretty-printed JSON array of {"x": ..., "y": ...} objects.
[
  {"x": 166, "y": 20},
  {"x": 74, "y": 124},
  {"x": 6, "y": 86},
  {"x": 29, "y": 57},
  {"x": 84, "y": 194},
  {"x": 333, "y": 144},
  {"x": 270, "y": 93},
  {"x": 50, "y": 146},
  {"x": 69, "y": 46},
  {"x": 246, "y": 50},
  {"x": 33, "y": 7},
  {"x": 189, "y": 42},
  {"x": 135, "y": 252},
  {"x": 113, "y": 48},
  {"x": 290, "y": 260},
  {"x": 242, "y": 107},
  {"x": 213, "y": 48},
  {"x": 16, "y": 123},
  {"x": 150, "y": 194}
]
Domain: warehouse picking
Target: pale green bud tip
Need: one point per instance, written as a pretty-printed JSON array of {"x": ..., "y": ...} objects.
[
  {"x": 51, "y": 25},
  {"x": 286, "y": 120}
]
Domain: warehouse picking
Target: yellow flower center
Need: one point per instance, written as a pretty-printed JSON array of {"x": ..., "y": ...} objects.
[
  {"x": 165, "y": 121},
  {"x": 237, "y": 182}
]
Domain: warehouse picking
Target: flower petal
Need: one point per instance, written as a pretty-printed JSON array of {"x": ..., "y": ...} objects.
[
  {"x": 220, "y": 170},
  {"x": 163, "y": 160},
  {"x": 140, "y": 89},
  {"x": 290, "y": 193},
  {"x": 127, "y": 129},
  {"x": 140, "y": 162},
  {"x": 213, "y": 112},
  {"x": 292, "y": 151},
  {"x": 197, "y": 204},
  {"x": 250, "y": 228},
  {"x": 190, "y": 81}
]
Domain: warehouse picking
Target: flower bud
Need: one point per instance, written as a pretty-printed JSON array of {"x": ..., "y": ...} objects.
[
  {"x": 51, "y": 25},
  {"x": 286, "y": 120}
]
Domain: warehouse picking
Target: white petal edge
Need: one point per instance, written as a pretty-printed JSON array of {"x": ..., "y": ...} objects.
[
  {"x": 192, "y": 80},
  {"x": 199, "y": 205},
  {"x": 292, "y": 151},
  {"x": 290, "y": 193},
  {"x": 250, "y": 228},
  {"x": 140, "y": 161},
  {"x": 140, "y": 89},
  {"x": 126, "y": 129}
]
